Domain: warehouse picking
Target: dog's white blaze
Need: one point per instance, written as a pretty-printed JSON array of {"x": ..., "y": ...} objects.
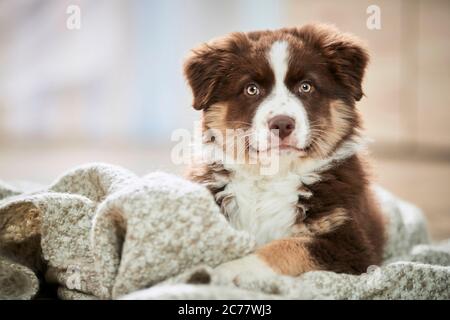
[{"x": 281, "y": 101}]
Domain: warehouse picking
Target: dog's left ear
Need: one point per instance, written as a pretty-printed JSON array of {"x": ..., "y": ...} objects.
[
  {"x": 208, "y": 66},
  {"x": 348, "y": 61},
  {"x": 346, "y": 55}
]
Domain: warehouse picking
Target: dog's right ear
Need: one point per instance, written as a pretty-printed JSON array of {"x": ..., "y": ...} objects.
[{"x": 207, "y": 67}]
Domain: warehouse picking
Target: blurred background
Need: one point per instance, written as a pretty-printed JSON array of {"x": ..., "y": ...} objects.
[{"x": 113, "y": 89}]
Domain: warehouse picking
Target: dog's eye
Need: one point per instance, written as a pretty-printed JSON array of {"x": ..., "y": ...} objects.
[
  {"x": 252, "y": 90},
  {"x": 305, "y": 87}
]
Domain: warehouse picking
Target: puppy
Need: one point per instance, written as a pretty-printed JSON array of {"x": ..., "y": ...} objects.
[{"x": 290, "y": 93}]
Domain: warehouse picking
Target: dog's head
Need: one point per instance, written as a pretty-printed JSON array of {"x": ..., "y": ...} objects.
[{"x": 295, "y": 88}]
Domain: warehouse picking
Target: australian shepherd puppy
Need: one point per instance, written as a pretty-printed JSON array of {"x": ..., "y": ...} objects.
[{"x": 290, "y": 94}]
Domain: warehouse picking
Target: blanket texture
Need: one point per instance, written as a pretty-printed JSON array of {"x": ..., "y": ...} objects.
[{"x": 101, "y": 232}]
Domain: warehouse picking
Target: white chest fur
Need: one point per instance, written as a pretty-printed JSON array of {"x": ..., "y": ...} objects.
[{"x": 265, "y": 206}]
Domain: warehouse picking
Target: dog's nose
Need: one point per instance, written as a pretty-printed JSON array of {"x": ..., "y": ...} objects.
[{"x": 284, "y": 124}]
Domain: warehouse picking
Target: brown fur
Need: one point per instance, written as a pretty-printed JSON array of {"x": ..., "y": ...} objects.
[
  {"x": 289, "y": 256},
  {"x": 344, "y": 228}
]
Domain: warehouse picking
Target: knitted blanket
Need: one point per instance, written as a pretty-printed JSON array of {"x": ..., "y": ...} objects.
[{"x": 101, "y": 232}]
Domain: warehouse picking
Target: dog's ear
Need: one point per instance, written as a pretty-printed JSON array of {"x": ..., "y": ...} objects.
[
  {"x": 202, "y": 73},
  {"x": 207, "y": 67},
  {"x": 346, "y": 54},
  {"x": 349, "y": 59}
]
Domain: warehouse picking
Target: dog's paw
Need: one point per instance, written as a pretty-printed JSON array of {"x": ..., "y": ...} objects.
[{"x": 248, "y": 269}]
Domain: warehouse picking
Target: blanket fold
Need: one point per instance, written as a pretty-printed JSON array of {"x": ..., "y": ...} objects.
[{"x": 101, "y": 232}]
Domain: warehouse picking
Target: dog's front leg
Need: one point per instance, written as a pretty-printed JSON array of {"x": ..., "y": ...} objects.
[{"x": 288, "y": 256}]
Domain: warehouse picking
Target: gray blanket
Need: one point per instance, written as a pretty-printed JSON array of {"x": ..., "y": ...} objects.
[{"x": 101, "y": 232}]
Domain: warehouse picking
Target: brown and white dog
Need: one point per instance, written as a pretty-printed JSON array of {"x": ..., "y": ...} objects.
[{"x": 300, "y": 85}]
